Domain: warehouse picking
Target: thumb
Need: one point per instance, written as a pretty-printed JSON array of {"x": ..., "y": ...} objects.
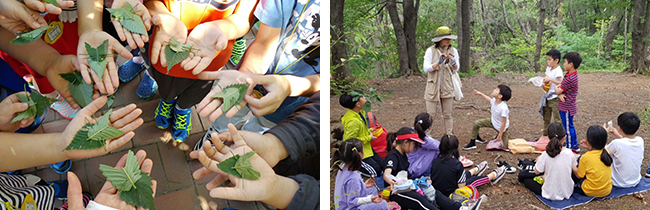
[
  {"x": 93, "y": 107},
  {"x": 75, "y": 199},
  {"x": 18, "y": 107},
  {"x": 156, "y": 20},
  {"x": 30, "y": 19}
]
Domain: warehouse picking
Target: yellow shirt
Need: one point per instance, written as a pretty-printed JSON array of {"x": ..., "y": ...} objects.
[
  {"x": 598, "y": 176},
  {"x": 355, "y": 127}
]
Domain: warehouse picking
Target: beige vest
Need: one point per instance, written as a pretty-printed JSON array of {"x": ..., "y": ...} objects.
[{"x": 439, "y": 82}]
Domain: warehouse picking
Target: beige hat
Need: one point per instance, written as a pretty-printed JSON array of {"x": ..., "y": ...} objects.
[{"x": 443, "y": 32}]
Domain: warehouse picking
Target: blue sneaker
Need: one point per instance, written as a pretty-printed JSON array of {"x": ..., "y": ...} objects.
[
  {"x": 163, "y": 114},
  {"x": 182, "y": 124},
  {"x": 61, "y": 167},
  {"x": 129, "y": 70},
  {"x": 147, "y": 87},
  {"x": 647, "y": 172}
]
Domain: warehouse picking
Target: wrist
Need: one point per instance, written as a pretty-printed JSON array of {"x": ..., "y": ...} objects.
[
  {"x": 276, "y": 147},
  {"x": 282, "y": 192}
]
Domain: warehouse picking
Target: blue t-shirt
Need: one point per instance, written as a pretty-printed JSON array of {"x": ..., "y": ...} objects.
[{"x": 300, "y": 46}]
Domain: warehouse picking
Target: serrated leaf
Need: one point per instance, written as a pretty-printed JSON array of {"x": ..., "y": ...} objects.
[
  {"x": 243, "y": 166},
  {"x": 174, "y": 58},
  {"x": 37, "y": 105},
  {"x": 53, "y": 2},
  {"x": 22, "y": 116},
  {"x": 98, "y": 67},
  {"x": 79, "y": 142},
  {"x": 141, "y": 195},
  {"x": 228, "y": 164},
  {"x": 118, "y": 13},
  {"x": 23, "y": 97},
  {"x": 73, "y": 77},
  {"x": 134, "y": 24},
  {"x": 101, "y": 130},
  {"x": 41, "y": 102},
  {"x": 178, "y": 46},
  {"x": 81, "y": 92},
  {"x": 125, "y": 178},
  {"x": 97, "y": 58},
  {"x": 29, "y": 37},
  {"x": 110, "y": 100},
  {"x": 231, "y": 95}
]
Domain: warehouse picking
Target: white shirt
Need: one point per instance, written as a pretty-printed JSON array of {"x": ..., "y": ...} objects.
[
  {"x": 429, "y": 59},
  {"x": 556, "y": 74},
  {"x": 627, "y": 155},
  {"x": 499, "y": 111},
  {"x": 558, "y": 184}
]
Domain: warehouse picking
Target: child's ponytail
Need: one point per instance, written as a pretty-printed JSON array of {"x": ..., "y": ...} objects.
[
  {"x": 348, "y": 153},
  {"x": 597, "y": 138},
  {"x": 555, "y": 134},
  {"x": 421, "y": 124},
  {"x": 390, "y": 139}
]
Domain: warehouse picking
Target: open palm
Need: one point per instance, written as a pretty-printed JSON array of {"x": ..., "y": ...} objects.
[
  {"x": 209, "y": 40},
  {"x": 109, "y": 80}
]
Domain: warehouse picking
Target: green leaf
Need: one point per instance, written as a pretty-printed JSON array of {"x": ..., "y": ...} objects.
[
  {"x": 110, "y": 100},
  {"x": 97, "y": 57},
  {"x": 81, "y": 92},
  {"x": 118, "y": 13},
  {"x": 125, "y": 178},
  {"x": 177, "y": 46},
  {"x": 23, "y": 115},
  {"x": 231, "y": 95},
  {"x": 141, "y": 195},
  {"x": 41, "y": 102},
  {"x": 243, "y": 166},
  {"x": 53, "y": 2},
  {"x": 37, "y": 105},
  {"x": 98, "y": 67},
  {"x": 228, "y": 164},
  {"x": 174, "y": 58},
  {"x": 79, "y": 142},
  {"x": 29, "y": 37},
  {"x": 72, "y": 77},
  {"x": 102, "y": 130},
  {"x": 134, "y": 24}
]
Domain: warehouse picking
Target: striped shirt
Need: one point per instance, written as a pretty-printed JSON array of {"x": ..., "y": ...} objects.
[{"x": 570, "y": 86}]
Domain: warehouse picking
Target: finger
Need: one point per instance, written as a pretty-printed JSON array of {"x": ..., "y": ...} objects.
[
  {"x": 119, "y": 29},
  {"x": 204, "y": 102},
  {"x": 137, "y": 39},
  {"x": 93, "y": 107},
  {"x": 212, "y": 105},
  {"x": 146, "y": 165},
  {"x": 218, "y": 180},
  {"x": 163, "y": 58},
  {"x": 64, "y": 4},
  {"x": 35, "y": 5},
  {"x": 209, "y": 163},
  {"x": 110, "y": 77},
  {"x": 50, "y": 8},
  {"x": 141, "y": 155},
  {"x": 202, "y": 65},
  {"x": 154, "y": 185},
  {"x": 188, "y": 64},
  {"x": 117, "y": 143},
  {"x": 122, "y": 161},
  {"x": 234, "y": 109},
  {"x": 18, "y": 107},
  {"x": 132, "y": 125},
  {"x": 75, "y": 198},
  {"x": 225, "y": 136},
  {"x": 210, "y": 75},
  {"x": 212, "y": 152},
  {"x": 201, "y": 172},
  {"x": 99, "y": 83},
  {"x": 128, "y": 118},
  {"x": 237, "y": 139},
  {"x": 155, "y": 51},
  {"x": 228, "y": 193},
  {"x": 117, "y": 47},
  {"x": 216, "y": 114},
  {"x": 146, "y": 17},
  {"x": 129, "y": 38}
]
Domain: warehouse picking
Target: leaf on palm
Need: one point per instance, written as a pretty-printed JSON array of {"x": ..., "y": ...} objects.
[
  {"x": 231, "y": 95},
  {"x": 81, "y": 92},
  {"x": 53, "y": 2},
  {"x": 97, "y": 58},
  {"x": 176, "y": 52},
  {"x": 141, "y": 195},
  {"x": 133, "y": 184},
  {"x": 94, "y": 135},
  {"x": 110, "y": 99},
  {"x": 29, "y": 37},
  {"x": 129, "y": 20},
  {"x": 37, "y": 104},
  {"x": 239, "y": 166}
]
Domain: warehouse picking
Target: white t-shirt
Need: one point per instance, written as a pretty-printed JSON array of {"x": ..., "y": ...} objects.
[
  {"x": 627, "y": 155},
  {"x": 499, "y": 111},
  {"x": 555, "y": 73},
  {"x": 558, "y": 184}
]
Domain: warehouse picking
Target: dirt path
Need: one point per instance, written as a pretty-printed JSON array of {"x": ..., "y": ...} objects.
[{"x": 602, "y": 97}]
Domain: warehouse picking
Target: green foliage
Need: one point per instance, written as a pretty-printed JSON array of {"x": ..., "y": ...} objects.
[
  {"x": 175, "y": 52},
  {"x": 81, "y": 92},
  {"x": 53, "y": 2},
  {"x": 240, "y": 166},
  {"x": 129, "y": 20},
  {"x": 29, "y": 37},
  {"x": 231, "y": 95},
  {"x": 134, "y": 184},
  {"x": 97, "y": 58},
  {"x": 645, "y": 115},
  {"x": 37, "y": 104},
  {"x": 358, "y": 89},
  {"x": 94, "y": 135}
]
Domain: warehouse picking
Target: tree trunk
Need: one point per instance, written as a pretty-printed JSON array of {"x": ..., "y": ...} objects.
[
  {"x": 400, "y": 36},
  {"x": 339, "y": 48},
  {"x": 573, "y": 18},
  {"x": 410, "y": 25},
  {"x": 613, "y": 29},
  {"x": 486, "y": 27},
  {"x": 540, "y": 33},
  {"x": 459, "y": 22},
  {"x": 638, "y": 62},
  {"x": 505, "y": 18},
  {"x": 464, "y": 49},
  {"x": 625, "y": 34}
]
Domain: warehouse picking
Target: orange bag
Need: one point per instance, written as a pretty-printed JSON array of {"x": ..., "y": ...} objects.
[
  {"x": 541, "y": 143},
  {"x": 380, "y": 144}
]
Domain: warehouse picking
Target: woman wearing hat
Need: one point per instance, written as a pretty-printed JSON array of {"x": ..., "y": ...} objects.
[{"x": 440, "y": 63}]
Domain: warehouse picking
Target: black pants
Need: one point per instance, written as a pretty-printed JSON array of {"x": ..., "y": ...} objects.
[
  {"x": 577, "y": 187},
  {"x": 532, "y": 185},
  {"x": 187, "y": 92},
  {"x": 376, "y": 163},
  {"x": 413, "y": 200}
]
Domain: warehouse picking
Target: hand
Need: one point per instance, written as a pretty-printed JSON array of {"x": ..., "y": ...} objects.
[
  {"x": 110, "y": 80},
  {"x": 47, "y": 7},
  {"x": 562, "y": 97},
  {"x": 61, "y": 65},
  {"x": 16, "y": 17},
  {"x": 164, "y": 32},
  {"x": 442, "y": 59},
  {"x": 612, "y": 130},
  {"x": 268, "y": 188},
  {"x": 499, "y": 137},
  {"x": 108, "y": 195},
  {"x": 209, "y": 40},
  {"x": 267, "y": 146},
  {"x": 376, "y": 199},
  {"x": 133, "y": 39},
  {"x": 278, "y": 88},
  {"x": 212, "y": 107},
  {"x": 476, "y": 92},
  {"x": 125, "y": 119},
  {"x": 9, "y": 109},
  {"x": 546, "y": 79},
  {"x": 585, "y": 144},
  {"x": 370, "y": 182}
]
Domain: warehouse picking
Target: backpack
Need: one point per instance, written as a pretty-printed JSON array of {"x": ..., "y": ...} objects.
[
  {"x": 380, "y": 145},
  {"x": 520, "y": 146},
  {"x": 464, "y": 194}
]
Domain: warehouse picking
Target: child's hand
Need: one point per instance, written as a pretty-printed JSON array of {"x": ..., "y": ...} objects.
[
  {"x": 562, "y": 97},
  {"x": 212, "y": 107},
  {"x": 126, "y": 119},
  {"x": 134, "y": 39},
  {"x": 9, "y": 108},
  {"x": 167, "y": 26},
  {"x": 546, "y": 79},
  {"x": 209, "y": 40},
  {"x": 267, "y": 146},
  {"x": 476, "y": 92},
  {"x": 585, "y": 144},
  {"x": 110, "y": 80},
  {"x": 370, "y": 182},
  {"x": 376, "y": 199},
  {"x": 108, "y": 195},
  {"x": 60, "y": 65},
  {"x": 42, "y": 6},
  {"x": 16, "y": 17},
  {"x": 278, "y": 87}
]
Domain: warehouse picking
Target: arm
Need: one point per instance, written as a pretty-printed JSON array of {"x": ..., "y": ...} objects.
[
  {"x": 456, "y": 59},
  {"x": 388, "y": 178},
  {"x": 261, "y": 53},
  {"x": 237, "y": 24},
  {"x": 429, "y": 65},
  {"x": 503, "y": 128},
  {"x": 352, "y": 130},
  {"x": 90, "y": 15},
  {"x": 476, "y": 92},
  {"x": 307, "y": 195}
]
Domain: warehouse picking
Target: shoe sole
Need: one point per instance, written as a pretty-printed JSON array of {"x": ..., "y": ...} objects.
[
  {"x": 469, "y": 148},
  {"x": 647, "y": 175},
  {"x": 482, "y": 142},
  {"x": 162, "y": 128}
]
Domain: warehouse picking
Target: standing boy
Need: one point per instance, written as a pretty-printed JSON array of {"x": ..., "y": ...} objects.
[
  {"x": 499, "y": 120},
  {"x": 553, "y": 78},
  {"x": 626, "y": 151},
  {"x": 567, "y": 92}
]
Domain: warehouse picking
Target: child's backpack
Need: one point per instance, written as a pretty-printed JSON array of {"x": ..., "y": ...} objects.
[
  {"x": 464, "y": 194},
  {"x": 519, "y": 146},
  {"x": 379, "y": 145}
]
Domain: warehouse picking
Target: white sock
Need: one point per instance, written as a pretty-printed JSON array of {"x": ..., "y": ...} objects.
[
  {"x": 179, "y": 108},
  {"x": 137, "y": 59}
]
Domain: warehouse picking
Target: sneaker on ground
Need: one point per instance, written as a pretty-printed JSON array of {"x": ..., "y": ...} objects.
[
  {"x": 466, "y": 162},
  {"x": 500, "y": 172},
  {"x": 238, "y": 50},
  {"x": 63, "y": 108},
  {"x": 147, "y": 87},
  {"x": 494, "y": 144},
  {"x": 163, "y": 114},
  {"x": 482, "y": 167},
  {"x": 206, "y": 137},
  {"x": 647, "y": 172},
  {"x": 182, "y": 124},
  {"x": 480, "y": 140},
  {"x": 509, "y": 169},
  {"x": 473, "y": 204},
  {"x": 470, "y": 145}
]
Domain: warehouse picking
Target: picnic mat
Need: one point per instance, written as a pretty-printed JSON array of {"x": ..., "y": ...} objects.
[{"x": 577, "y": 199}]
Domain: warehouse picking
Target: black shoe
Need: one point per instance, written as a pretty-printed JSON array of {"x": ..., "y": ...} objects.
[
  {"x": 509, "y": 169},
  {"x": 470, "y": 145},
  {"x": 479, "y": 140}
]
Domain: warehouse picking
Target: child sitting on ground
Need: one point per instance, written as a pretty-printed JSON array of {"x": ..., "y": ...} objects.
[
  {"x": 355, "y": 126},
  {"x": 499, "y": 120},
  {"x": 556, "y": 164},
  {"x": 593, "y": 175},
  {"x": 626, "y": 151},
  {"x": 350, "y": 190},
  {"x": 421, "y": 157},
  {"x": 447, "y": 173}
]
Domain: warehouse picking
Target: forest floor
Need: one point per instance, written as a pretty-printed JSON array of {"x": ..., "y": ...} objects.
[{"x": 602, "y": 97}]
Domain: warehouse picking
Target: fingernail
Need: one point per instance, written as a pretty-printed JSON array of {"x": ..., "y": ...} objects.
[{"x": 36, "y": 24}]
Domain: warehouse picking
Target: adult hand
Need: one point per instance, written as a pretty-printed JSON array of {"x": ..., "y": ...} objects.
[
  {"x": 267, "y": 146},
  {"x": 61, "y": 65},
  {"x": 108, "y": 195},
  {"x": 133, "y": 39},
  {"x": 172, "y": 28},
  {"x": 42, "y": 6},
  {"x": 16, "y": 17},
  {"x": 110, "y": 80},
  {"x": 125, "y": 119},
  {"x": 209, "y": 40},
  {"x": 9, "y": 109},
  {"x": 278, "y": 88},
  {"x": 212, "y": 107}
]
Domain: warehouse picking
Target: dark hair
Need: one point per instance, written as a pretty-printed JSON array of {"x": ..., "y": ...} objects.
[
  {"x": 573, "y": 57},
  {"x": 597, "y": 138},
  {"x": 629, "y": 123},
  {"x": 392, "y": 137},
  {"x": 348, "y": 153},
  {"x": 448, "y": 147},
  {"x": 556, "y": 133},
  {"x": 555, "y": 54},
  {"x": 437, "y": 44},
  {"x": 422, "y": 123},
  {"x": 347, "y": 101},
  {"x": 505, "y": 91}
]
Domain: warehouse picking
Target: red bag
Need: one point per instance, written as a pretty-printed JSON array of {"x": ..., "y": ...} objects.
[
  {"x": 541, "y": 143},
  {"x": 379, "y": 145}
]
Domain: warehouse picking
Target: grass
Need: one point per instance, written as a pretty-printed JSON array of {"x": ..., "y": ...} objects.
[{"x": 645, "y": 115}]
